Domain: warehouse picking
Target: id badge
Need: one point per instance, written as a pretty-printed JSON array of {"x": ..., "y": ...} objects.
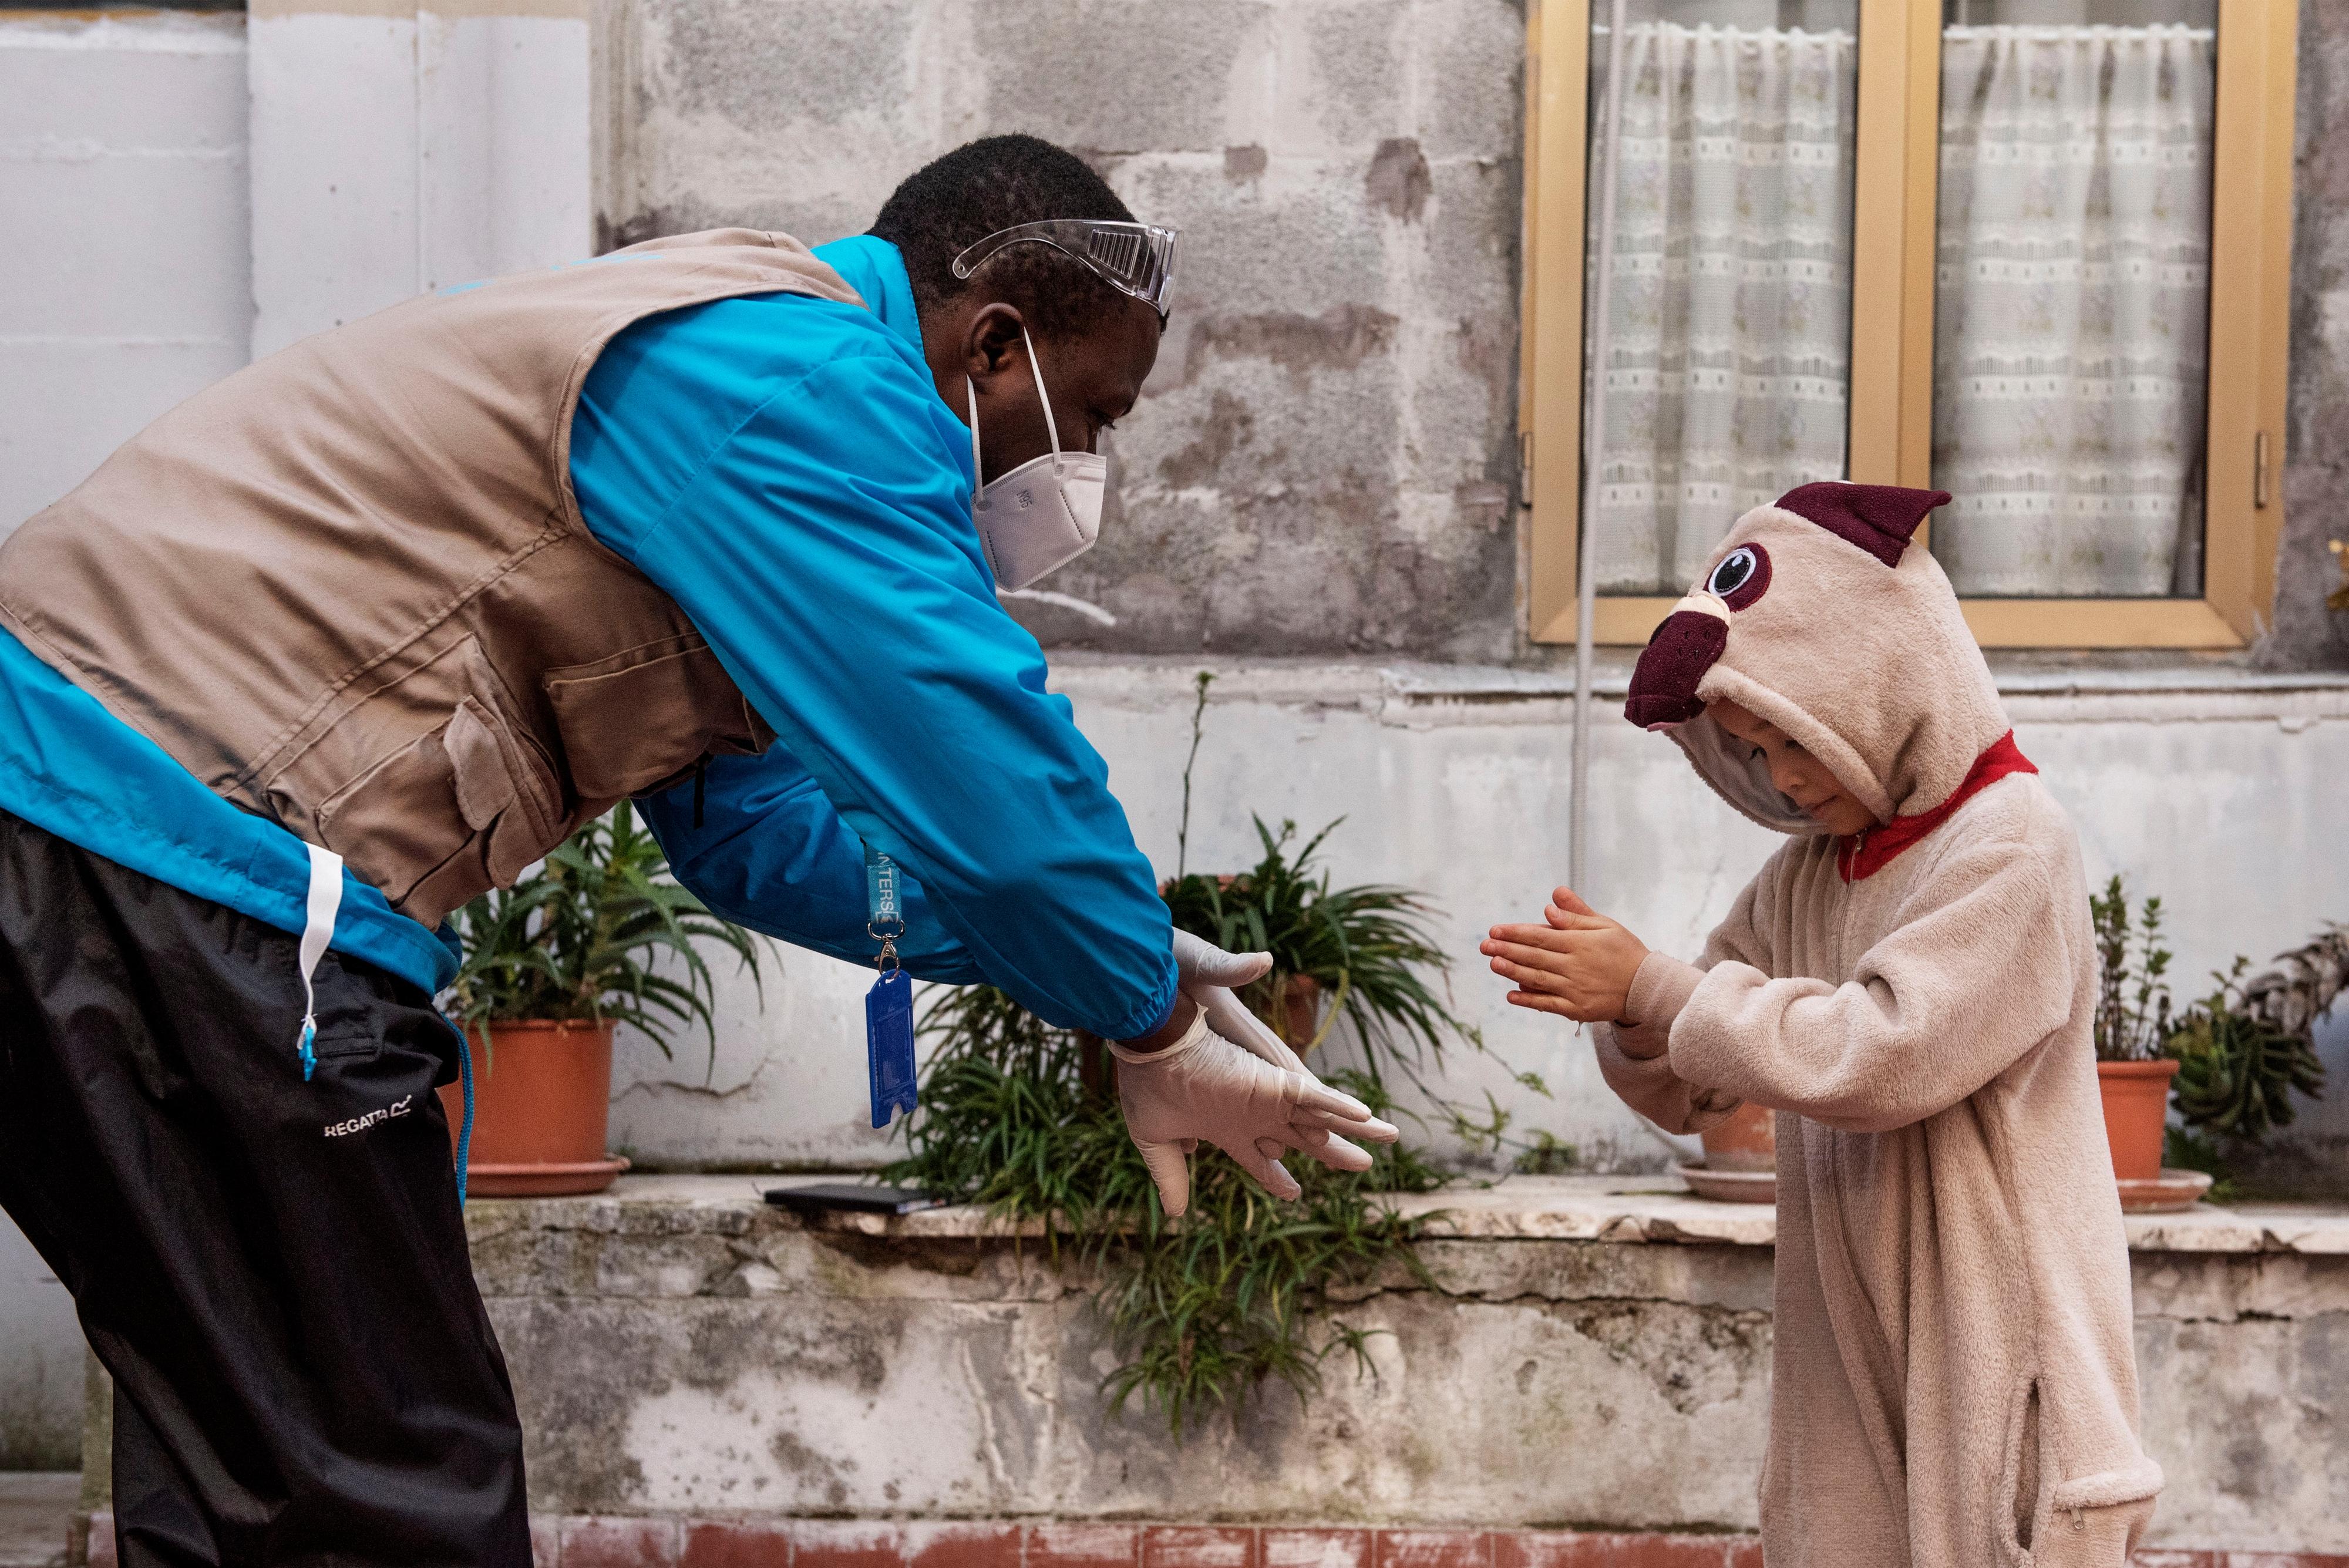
[{"x": 889, "y": 1045}]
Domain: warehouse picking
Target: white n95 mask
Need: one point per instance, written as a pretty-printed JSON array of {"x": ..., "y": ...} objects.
[{"x": 1044, "y": 514}]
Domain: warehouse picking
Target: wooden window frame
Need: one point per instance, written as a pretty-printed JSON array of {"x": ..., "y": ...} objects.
[{"x": 1898, "y": 158}]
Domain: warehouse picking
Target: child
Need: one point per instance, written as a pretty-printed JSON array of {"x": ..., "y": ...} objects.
[{"x": 1909, "y": 983}]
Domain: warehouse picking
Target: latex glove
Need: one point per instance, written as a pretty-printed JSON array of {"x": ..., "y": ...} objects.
[
  {"x": 1204, "y": 1086},
  {"x": 1208, "y": 976}
]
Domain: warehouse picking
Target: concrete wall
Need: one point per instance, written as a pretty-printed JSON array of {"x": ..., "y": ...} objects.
[
  {"x": 405, "y": 147},
  {"x": 1324, "y": 457},
  {"x": 2316, "y": 448},
  {"x": 126, "y": 279},
  {"x": 680, "y": 1349}
]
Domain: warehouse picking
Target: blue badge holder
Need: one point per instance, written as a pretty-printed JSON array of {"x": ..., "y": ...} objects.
[{"x": 889, "y": 1006}]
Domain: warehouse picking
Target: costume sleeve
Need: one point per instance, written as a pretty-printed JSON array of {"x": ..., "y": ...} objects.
[
  {"x": 826, "y": 551},
  {"x": 1975, "y": 972},
  {"x": 1633, "y": 1051},
  {"x": 772, "y": 854}
]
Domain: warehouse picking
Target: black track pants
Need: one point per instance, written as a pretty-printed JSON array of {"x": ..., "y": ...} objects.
[{"x": 274, "y": 1270}]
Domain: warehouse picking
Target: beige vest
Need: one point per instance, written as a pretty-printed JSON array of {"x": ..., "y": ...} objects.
[{"x": 348, "y": 588}]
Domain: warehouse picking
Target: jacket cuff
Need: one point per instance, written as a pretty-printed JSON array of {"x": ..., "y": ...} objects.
[{"x": 1659, "y": 989}]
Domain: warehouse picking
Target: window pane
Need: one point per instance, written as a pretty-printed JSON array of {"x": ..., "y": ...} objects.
[
  {"x": 1726, "y": 354},
  {"x": 2072, "y": 295}
]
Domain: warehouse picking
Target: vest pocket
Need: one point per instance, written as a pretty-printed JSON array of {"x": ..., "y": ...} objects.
[
  {"x": 461, "y": 809},
  {"x": 639, "y": 720}
]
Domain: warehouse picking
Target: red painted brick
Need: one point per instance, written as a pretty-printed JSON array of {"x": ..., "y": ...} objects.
[
  {"x": 1557, "y": 1549},
  {"x": 983, "y": 1545},
  {"x": 736, "y": 1546},
  {"x": 1673, "y": 1552},
  {"x": 1432, "y": 1549},
  {"x": 546, "y": 1540},
  {"x": 1083, "y": 1546},
  {"x": 1197, "y": 1546},
  {"x": 1746, "y": 1552},
  {"x": 1315, "y": 1548},
  {"x": 1548, "y": 1549},
  {"x": 608, "y": 1542},
  {"x": 2165, "y": 1558},
  {"x": 2280, "y": 1560},
  {"x": 846, "y": 1543}
]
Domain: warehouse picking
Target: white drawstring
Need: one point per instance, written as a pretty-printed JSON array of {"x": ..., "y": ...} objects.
[{"x": 317, "y": 930}]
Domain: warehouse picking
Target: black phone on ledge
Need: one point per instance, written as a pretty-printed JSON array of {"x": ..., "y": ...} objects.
[{"x": 852, "y": 1196}]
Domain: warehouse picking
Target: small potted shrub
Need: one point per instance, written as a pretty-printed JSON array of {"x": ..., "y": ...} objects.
[
  {"x": 550, "y": 966},
  {"x": 2133, "y": 1026},
  {"x": 2246, "y": 1049}
]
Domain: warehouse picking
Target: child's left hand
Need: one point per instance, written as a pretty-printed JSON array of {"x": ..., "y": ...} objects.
[{"x": 1578, "y": 966}]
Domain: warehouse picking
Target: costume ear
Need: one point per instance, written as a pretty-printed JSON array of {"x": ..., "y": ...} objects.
[{"x": 1879, "y": 518}]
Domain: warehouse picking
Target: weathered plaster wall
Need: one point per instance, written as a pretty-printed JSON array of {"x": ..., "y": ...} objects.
[
  {"x": 1324, "y": 457},
  {"x": 2316, "y": 449},
  {"x": 681, "y": 1349}
]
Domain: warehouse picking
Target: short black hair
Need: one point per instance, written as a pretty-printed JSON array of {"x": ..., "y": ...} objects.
[{"x": 985, "y": 186}]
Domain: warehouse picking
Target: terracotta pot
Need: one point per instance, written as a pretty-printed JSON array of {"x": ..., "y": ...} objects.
[
  {"x": 542, "y": 1104},
  {"x": 1300, "y": 1012},
  {"x": 2136, "y": 1109},
  {"x": 1748, "y": 1140}
]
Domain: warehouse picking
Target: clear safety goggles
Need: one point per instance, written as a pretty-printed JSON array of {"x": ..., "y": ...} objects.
[{"x": 1134, "y": 259}]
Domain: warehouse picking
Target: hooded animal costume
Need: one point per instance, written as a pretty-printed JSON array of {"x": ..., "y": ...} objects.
[{"x": 1954, "y": 1384}]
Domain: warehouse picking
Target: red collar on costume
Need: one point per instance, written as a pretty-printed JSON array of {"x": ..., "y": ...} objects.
[{"x": 1865, "y": 853}]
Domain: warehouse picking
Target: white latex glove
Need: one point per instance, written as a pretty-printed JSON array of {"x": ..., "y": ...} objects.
[
  {"x": 1204, "y": 1086},
  {"x": 1208, "y": 976}
]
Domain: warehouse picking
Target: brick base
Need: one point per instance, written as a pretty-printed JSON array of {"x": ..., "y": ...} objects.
[{"x": 630, "y": 1541}]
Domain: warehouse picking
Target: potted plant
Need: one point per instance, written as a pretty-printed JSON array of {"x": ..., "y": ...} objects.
[
  {"x": 2247, "y": 1048},
  {"x": 2133, "y": 1024},
  {"x": 1023, "y": 1117},
  {"x": 550, "y": 966}
]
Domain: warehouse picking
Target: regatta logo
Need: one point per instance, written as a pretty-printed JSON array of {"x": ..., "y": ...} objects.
[{"x": 399, "y": 1107}]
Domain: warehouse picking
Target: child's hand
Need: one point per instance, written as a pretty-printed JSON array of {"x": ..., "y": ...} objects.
[{"x": 1578, "y": 966}]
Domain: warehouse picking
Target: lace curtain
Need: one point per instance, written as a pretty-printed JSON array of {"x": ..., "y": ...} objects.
[
  {"x": 2072, "y": 309},
  {"x": 1728, "y": 367}
]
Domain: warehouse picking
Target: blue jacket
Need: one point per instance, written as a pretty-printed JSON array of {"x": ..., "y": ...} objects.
[{"x": 783, "y": 468}]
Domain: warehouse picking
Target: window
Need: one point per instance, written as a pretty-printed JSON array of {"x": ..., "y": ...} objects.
[{"x": 2036, "y": 253}]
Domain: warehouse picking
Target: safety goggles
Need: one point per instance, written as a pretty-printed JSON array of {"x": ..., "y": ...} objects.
[{"x": 1134, "y": 259}]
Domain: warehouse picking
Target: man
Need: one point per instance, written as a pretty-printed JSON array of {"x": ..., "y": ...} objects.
[{"x": 374, "y": 623}]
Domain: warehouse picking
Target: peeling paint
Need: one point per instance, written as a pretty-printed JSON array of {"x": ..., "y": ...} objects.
[{"x": 1398, "y": 182}]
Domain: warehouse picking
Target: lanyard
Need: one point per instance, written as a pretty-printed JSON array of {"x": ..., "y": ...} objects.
[
  {"x": 889, "y": 1006},
  {"x": 885, "y": 916}
]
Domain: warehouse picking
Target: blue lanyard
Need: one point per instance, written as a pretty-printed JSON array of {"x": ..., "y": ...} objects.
[{"x": 889, "y": 1006}]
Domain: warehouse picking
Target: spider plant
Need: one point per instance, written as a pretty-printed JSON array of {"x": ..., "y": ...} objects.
[
  {"x": 1018, "y": 1115},
  {"x": 582, "y": 936},
  {"x": 1023, "y": 1117}
]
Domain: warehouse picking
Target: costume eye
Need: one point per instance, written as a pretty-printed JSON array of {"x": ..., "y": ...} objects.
[{"x": 1741, "y": 576}]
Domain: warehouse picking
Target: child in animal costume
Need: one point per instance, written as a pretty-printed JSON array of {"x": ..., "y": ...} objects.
[{"x": 1910, "y": 984}]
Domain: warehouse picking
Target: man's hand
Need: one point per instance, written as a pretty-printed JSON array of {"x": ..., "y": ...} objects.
[
  {"x": 1230, "y": 1080},
  {"x": 1578, "y": 966}
]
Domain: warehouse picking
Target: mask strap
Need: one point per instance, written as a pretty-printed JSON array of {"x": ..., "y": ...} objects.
[
  {"x": 977, "y": 476},
  {"x": 1042, "y": 397}
]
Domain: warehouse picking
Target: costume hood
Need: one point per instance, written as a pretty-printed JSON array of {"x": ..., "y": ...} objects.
[{"x": 1819, "y": 614}]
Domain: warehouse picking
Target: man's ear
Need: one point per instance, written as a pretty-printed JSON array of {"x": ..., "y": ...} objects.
[{"x": 991, "y": 341}]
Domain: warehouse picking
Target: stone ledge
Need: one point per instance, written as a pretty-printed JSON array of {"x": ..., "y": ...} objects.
[{"x": 1630, "y": 1210}]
